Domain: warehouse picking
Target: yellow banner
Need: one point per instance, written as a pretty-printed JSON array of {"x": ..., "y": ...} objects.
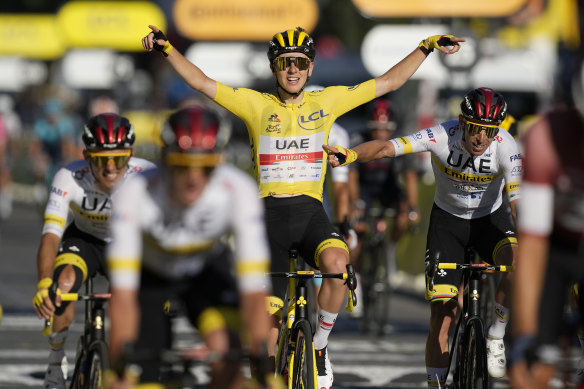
[
  {"x": 242, "y": 20},
  {"x": 118, "y": 25},
  {"x": 30, "y": 36},
  {"x": 446, "y": 8}
]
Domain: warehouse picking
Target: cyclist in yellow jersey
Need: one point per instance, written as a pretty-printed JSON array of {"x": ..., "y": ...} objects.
[{"x": 286, "y": 130}]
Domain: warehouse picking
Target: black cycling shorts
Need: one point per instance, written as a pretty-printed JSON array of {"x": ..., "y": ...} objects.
[
  {"x": 449, "y": 236},
  {"x": 82, "y": 250},
  {"x": 298, "y": 222},
  {"x": 212, "y": 292}
]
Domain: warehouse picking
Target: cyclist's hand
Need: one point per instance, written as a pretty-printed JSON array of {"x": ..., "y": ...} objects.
[
  {"x": 448, "y": 44},
  {"x": 157, "y": 40},
  {"x": 339, "y": 156},
  {"x": 41, "y": 300}
]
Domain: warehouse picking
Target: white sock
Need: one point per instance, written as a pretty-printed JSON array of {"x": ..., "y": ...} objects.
[
  {"x": 326, "y": 320},
  {"x": 436, "y": 376},
  {"x": 57, "y": 344},
  {"x": 497, "y": 329}
]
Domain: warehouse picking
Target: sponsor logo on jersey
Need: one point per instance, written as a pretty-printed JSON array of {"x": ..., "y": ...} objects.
[
  {"x": 58, "y": 192},
  {"x": 457, "y": 161},
  {"x": 515, "y": 157},
  {"x": 430, "y": 134},
  {"x": 312, "y": 121},
  {"x": 462, "y": 176}
]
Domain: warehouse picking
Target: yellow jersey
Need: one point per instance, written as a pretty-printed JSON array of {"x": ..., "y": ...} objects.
[{"x": 286, "y": 139}]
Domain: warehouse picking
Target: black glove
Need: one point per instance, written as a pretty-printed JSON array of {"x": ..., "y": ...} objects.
[{"x": 164, "y": 49}]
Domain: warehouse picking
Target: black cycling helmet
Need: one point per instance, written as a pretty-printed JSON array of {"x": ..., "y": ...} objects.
[
  {"x": 194, "y": 136},
  {"x": 381, "y": 116},
  {"x": 291, "y": 41},
  {"x": 108, "y": 131},
  {"x": 484, "y": 104}
]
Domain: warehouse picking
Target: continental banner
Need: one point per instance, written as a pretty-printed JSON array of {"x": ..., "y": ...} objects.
[{"x": 242, "y": 20}]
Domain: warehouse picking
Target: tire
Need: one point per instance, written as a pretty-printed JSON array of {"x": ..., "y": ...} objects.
[
  {"x": 97, "y": 364},
  {"x": 77, "y": 377},
  {"x": 281, "y": 354},
  {"x": 376, "y": 289},
  {"x": 381, "y": 290},
  {"x": 474, "y": 374},
  {"x": 302, "y": 360},
  {"x": 487, "y": 300}
]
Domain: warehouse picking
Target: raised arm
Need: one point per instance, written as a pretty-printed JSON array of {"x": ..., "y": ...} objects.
[
  {"x": 395, "y": 77},
  {"x": 189, "y": 72}
]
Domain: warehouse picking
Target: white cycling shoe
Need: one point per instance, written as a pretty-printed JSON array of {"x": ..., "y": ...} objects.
[
  {"x": 496, "y": 361},
  {"x": 56, "y": 375},
  {"x": 324, "y": 369}
]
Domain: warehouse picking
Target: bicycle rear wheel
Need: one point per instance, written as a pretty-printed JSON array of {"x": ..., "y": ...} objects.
[
  {"x": 474, "y": 374},
  {"x": 302, "y": 360},
  {"x": 97, "y": 364}
]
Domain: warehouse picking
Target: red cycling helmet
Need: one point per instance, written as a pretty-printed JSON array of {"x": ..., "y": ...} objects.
[
  {"x": 381, "y": 116},
  {"x": 484, "y": 104},
  {"x": 194, "y": 136},
  {"x": 108, "y": 131}
]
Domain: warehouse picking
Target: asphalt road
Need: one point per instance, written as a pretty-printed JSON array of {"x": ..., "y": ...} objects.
[{"x": 395, "y": 360}]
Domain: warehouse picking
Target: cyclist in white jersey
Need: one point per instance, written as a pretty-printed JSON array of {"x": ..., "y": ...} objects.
[
  {"x": 169, "y": 242},
  {"x": 76, "y": 224},
  {"x": 473, "y": 159}
]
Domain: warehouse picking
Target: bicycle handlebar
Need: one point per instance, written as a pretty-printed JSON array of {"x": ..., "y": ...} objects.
[
  {"x": 349, "y": 277},
  {"x": 475, "y": 266},
  {"x": 70, "y": 297}
]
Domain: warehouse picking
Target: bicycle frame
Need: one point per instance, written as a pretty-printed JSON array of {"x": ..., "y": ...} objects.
[
  {"x": 470, "y": 321},
  {"x": 297, "y": 323},
  {"x": 91, "y": 356}
]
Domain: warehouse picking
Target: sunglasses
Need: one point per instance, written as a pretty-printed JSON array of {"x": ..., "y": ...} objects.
[
  {"x": 476, "y": 128},
  {"x": 100, "y": 160},
  {"x": 283, "y": 63}
]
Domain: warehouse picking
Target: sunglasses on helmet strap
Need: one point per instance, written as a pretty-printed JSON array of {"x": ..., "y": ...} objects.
[
  {"x": 101, "y": 159},
  {"x": 283, "y": 63},
  {"x": 475, "y": 128}
]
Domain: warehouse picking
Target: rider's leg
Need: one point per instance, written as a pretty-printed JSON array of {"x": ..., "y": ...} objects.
[
  {"x": 442, "y": 318},
  {"x": 332, "y": 293},
  {"x": 68, "y": 278},
  {"x": 504, "y": 256}
]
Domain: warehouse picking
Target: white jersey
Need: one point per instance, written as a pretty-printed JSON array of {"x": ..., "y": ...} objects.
[
  {"x": 74, "y": 197},
  {"x": 467, "y": 186},
  {"x": 339, "y": 136},
  {"x": 149, "y": 230}
]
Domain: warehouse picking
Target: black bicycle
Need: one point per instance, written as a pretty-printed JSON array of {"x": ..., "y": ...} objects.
[
  {"x": 468, "y": 350},
  {"x": 91, "y": 358},
  {"x": 376, "y": 286},
  {"x": 295, "y": 354}
]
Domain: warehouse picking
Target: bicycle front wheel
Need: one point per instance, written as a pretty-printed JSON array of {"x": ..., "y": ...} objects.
[
  {"x": 302, "y": 360},
  {"x": 97, "y": 364},
  {"x": 474, "y": 356}
]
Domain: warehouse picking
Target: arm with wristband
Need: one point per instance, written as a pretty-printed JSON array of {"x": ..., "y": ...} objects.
[
  {"x": 395, "y": 77},
  {"x": 365, "y": 152},
  {"x": 189, "y": 72}
]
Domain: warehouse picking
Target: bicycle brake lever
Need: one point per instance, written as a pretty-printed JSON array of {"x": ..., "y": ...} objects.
[{"x": 352, "y": 283}]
